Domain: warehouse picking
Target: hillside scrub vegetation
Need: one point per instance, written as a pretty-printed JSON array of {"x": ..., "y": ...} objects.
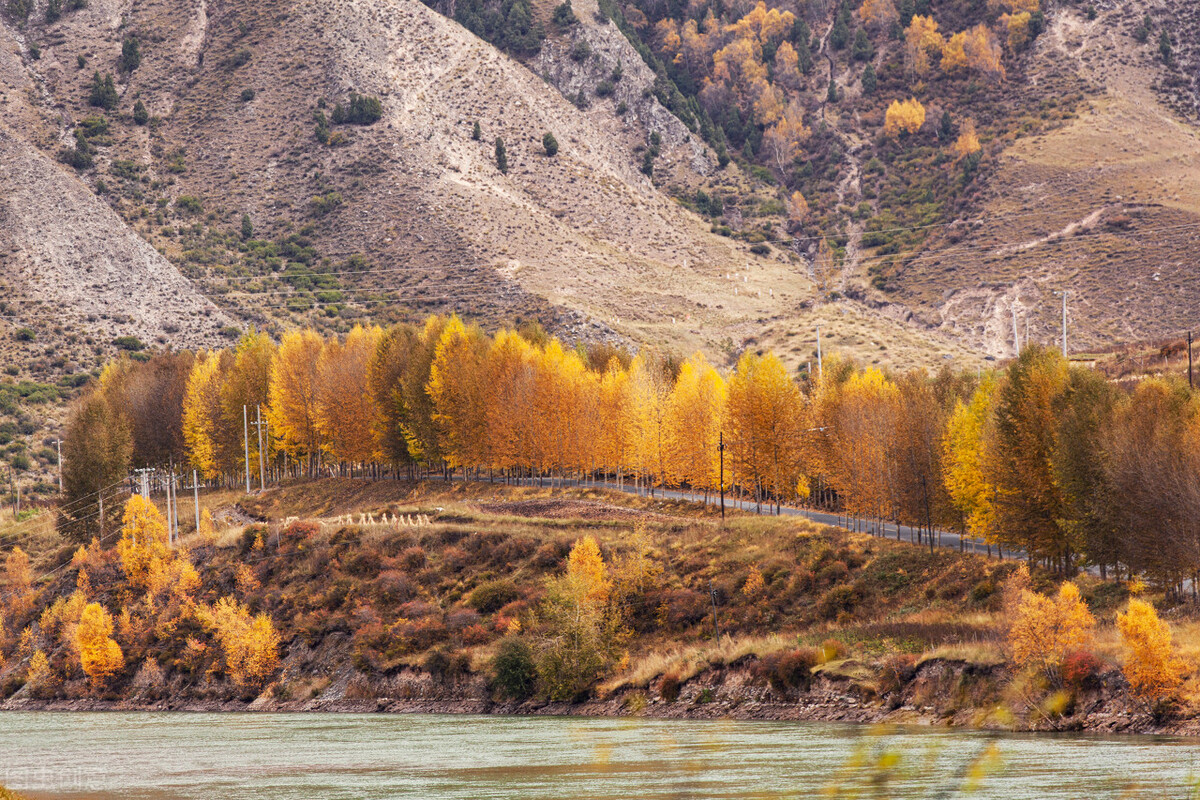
[
  {"x": 1041, "y": 456},
  {"x": 530, "y": 596}
]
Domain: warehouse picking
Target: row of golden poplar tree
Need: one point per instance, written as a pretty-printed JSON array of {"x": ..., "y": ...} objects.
[{"x": 1043, "y": 456}]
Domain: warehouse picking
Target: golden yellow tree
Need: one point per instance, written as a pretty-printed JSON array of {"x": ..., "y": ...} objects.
[
  {"x": 921, "y": 38},
  {"x": 458, "y": 388},
  {"x": 246, "y": 383},
  {"x": 143, "y": 545},
  {"x": 695, "y": 411},
  {"x": 982, "y": 50},
  {"x": 646, "y": 417},
  {"x": 967, "y": 143},
  {"x": 1044, "y": 630},
  {"x": 293, "y": 411},
  {"x": 963, "y": 457},
  {"x": 1018, "y": 27},
  {"x": 879, "y": 14},
  {"x": 250, "y": 644},
  {"x": 954, "y": 56},
  {"x": 202, "y": 414},
  {"x": 587, "y": 565},
  {"x": 783, "y": 139},
  {"x": 1152, "y": 666},
  {"x": 615, "y": 439},
  {"x": 763, "y": 426},
  {"x": 861, "y": 420},
  {"x": 903, "y": 117},
  {"x": 99, "y": 655},
  {"x": 797, "y": 208},
  {"x": 346, "y": 410},
  {"x": 18, "y": 579}
]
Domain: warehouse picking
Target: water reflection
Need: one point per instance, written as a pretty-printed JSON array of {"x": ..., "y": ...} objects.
[{"x": 300, "y": 757}]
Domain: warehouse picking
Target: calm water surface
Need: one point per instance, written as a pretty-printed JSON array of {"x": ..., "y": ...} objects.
[{"x": 306, "y": 756}]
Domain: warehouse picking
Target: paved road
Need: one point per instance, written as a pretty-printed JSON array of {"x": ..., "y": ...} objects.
[{"x": 904, "y": 533}]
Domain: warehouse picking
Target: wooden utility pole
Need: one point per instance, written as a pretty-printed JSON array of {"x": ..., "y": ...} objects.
[{"x": 1191, "y": 385}]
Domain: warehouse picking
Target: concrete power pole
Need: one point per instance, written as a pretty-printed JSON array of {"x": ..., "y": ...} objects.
[
  {"x": 196, "y": 498},
  {"x": 258, "y": 424},
  {"x": 246, "y": 442},
  {"x": 820, "y": 364},
  {"x": 1016, "y": 338}
]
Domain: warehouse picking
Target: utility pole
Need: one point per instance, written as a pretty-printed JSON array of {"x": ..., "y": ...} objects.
[
  {"x": 196, "y": 498},
  {"x": 170, "y": 525},
  {"x": 820, "y": 364},
  {"x": 258, "y": 424},
  {"x": 1064, "y": 295},
  {"x": 102, "y": 516},
  {"x": 246, "y": 442},
  {"x": 58, "y": 446},
  {"x": 721, "y": 450},
  {"x": 144, "y": 480},
  {"x": 1191, "y": 385},
  {"x": 1016, "y": 338}
]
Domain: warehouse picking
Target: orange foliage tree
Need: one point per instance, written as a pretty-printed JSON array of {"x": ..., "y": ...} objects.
[
  {"x": 1044, "y": 630},
  {"x": 903, "y": 117},
  {"x": 99, "y": 655},
  {"x": 1151, "y": 665}
]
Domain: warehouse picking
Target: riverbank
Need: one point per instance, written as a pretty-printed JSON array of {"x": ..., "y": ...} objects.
[
  {"x": 402, "y": 597},
  {"x": 934, "y": 695}
]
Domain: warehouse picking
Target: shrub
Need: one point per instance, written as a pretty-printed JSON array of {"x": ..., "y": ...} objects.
[
  {"x": 129, "y": 343},
  {"x": 103, "y": 93},
  {"x": 361, "y": 110},
  {"x": 838, "y": 599},
  {"x": 247, "y": 95},
  {"x": 240, "y": 58},
  {"x": 131, "y": 54},
  {"x": 413, "y": 558},
  {"x": 140, "y": 114},
  {"x": 760, "y": 249},
  {"x": 604, "y": 88},
  {"x": 564, "y": 15},
  {"x": 25, "y": 335},
  {"x": 668, "y": 687},
  {"x": 493, "y": 595},
  {"x": 187, "y": 204},
  {"x": 581, "y": 51},
  {"x": 791, "y": 669},
  {"x": 550, "y": 144},
  {"x": 514, "y": 673},
  {"x": 1043, "y": 630},
  {"x": 326, "y": 203},
  {"x": 53, "y": 10},
  {"x": 1080, "y": 669},
  {"x": 476, "y": 132},
  {"x": 501, "y": 156},
  {"x": 1151, "y": 665},
  {"x": 622, "y": 107}
]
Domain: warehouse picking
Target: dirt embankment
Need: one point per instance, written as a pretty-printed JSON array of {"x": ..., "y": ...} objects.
[{"x": 938, "y": 692}]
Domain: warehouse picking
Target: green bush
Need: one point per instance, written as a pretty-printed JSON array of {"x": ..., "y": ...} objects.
[
  {"x": 25, "y": 335},
  {"x": 604, "y": 88},
  {"x": 104, "y": 92},
  {"x": 131, "y": 54},
  {"x": 187, "y": 204},
  {"x": 53, "y": 10},
  {"x": 550, "y": 144},
  {"x": 501, "y": 156},
  {"x": 582, "y": 51},
  {"x": 325, "y": 203},
  {"x": 493, "y": 595},
  {"x": 477, "y": 132},
  {"x": 140, "y": 114},
  {"x": 564, "y": 15},
  {"x": 514, "y": 674},
  {"x": 361, "y": 110},
  {"x": 248, "y": 95},
  {"x": 129, "y": 343}
]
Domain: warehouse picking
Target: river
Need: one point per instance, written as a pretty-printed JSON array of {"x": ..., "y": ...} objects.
[{"x": 368, "y": 756}]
